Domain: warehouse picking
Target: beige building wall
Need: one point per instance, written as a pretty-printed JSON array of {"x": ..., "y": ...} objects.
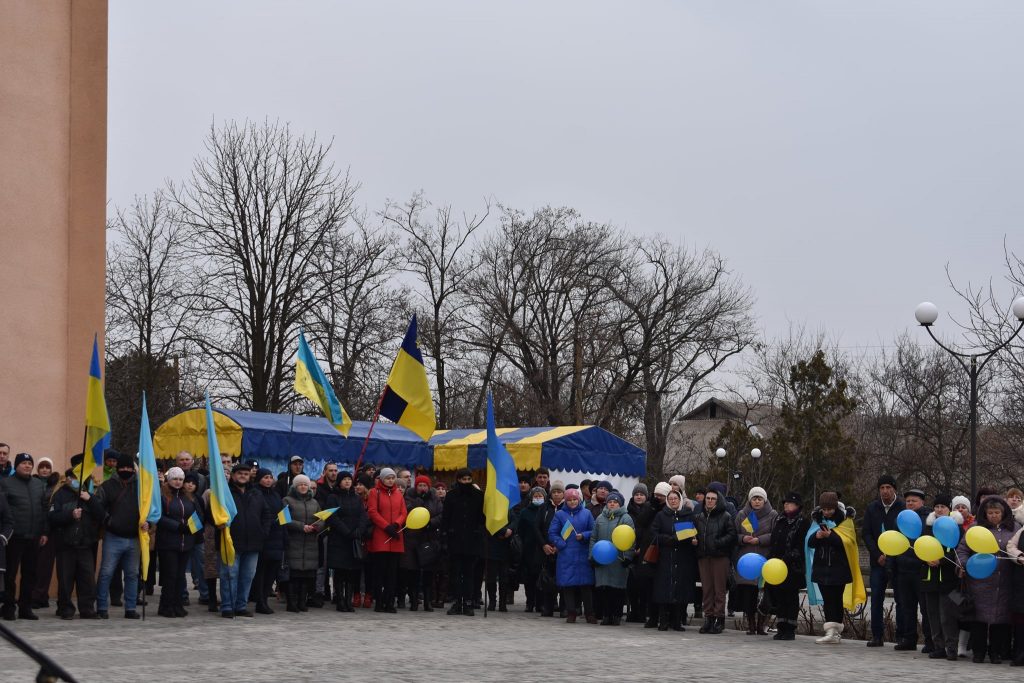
[{"x": 53, "y": 145}]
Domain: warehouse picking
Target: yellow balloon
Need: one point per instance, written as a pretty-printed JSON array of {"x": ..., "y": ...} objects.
[
  {"x": 928, "y": 549},
  {"x": 980, "y": 540},
  {"x": 774, "y": 571},
  {"x": 623, "y": 537},
  {"x": 893, "y": 543},
  {"x": 417, "y": 519}
]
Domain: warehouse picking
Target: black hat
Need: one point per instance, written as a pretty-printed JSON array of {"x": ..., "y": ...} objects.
[
  {"x": 604, "y": 484},
  {"x": 915, "y": 492},
  {"x": 22, "y": 457},
  {"x": 463, "y": 472},
  {"x": 192, "y": 477},
  {"x": 344, "y": 474},
  {"x": 262, "y": 472},
  {"x": 366, "y": 480},
  {"x": 76, "y": 459},
  {"x": 124, "y": 461},
  {"x": 253, "y": 464},
  {"x": 943, "y": 499},
  {"x": 525, "y": 476},
  {"x": 110, "y": 454},
  {"x": 794, "y": 497},
  {"x": 240, "y": 467},
  {"x": 885, "y": 479}
]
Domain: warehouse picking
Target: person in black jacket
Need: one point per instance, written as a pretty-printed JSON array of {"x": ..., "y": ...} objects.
[
  {"x": 881, "y": 516},
  {"x": 345, "y": 552},
  {"x": 937, "y": 580},
  {"x": 284, "y": 480},
  {"x": 787, "y": 544},
  {"x": 271, "y": 554},
  {"x": 26, "y": 498},
  {"x": 640, "y": 583},
  {"x": 249, "y": 528},
  {"x": 830, "y": 568},
  {"x": 533, "y": 543},
  {"x": 673, "y": 579},
  {"x": 174, "y": 542},
  {"x": 547, "y": 591},
  {"x": 117, "y": 503},
  {"x": 907, "y": 577},
  {"x": 462, "y": 523},
  {"x": 75, "y": 532},
  {"x": 716, "y": 539}
]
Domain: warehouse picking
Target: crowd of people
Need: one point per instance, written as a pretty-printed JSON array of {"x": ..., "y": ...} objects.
[{"x": 341, "y": 539}]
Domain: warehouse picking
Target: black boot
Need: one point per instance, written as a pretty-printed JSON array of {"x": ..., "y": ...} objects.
[
  {"x": 761, "y": 619},
  {"x": 663, "y": 618},
  {"x": 211, "y": 585},
  {"x": 708, "y": 626},
  {"x": 456, "y": 607},
  {"x": 751, "y": 623},
  {"x": 428, "y": 604},
  {"x": 979, "y": 642},
  {"x": 719, "y": 625},
  {"x": 291, "y": 596}
]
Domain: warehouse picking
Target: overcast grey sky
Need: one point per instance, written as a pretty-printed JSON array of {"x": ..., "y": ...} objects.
[{"x": 838, "y": 153}]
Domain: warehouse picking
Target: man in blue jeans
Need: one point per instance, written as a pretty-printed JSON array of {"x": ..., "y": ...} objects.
[
  {"x": 881, "y": 516},
  {"x": 248, "y": 530},
  {"x": 117, "y": 503}
]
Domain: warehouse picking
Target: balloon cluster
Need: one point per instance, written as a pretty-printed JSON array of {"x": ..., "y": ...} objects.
[
  {"x": 605, "y": 552},
  {"x": 753, "y": 566},
  {"x": 946, "y": 534}
]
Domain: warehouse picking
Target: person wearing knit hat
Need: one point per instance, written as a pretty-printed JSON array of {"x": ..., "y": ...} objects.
[
  {"x": 74, "y": 534},
  {"x": 642, "y": 511},
  {"x": 25, "y": 497},
  {"x": 881, "y": 515},
  {"x": 532, "y": 556},
  {"x": 47, "y": 553},
  {"x": 387, "y": 510},
  {"x": 610, "y": 579},
  {"x": 268, "y": 565},
  {"x": 363, "y": 484},
  {"x": 117, "y": 503},
  {"x": 596, "y": 504},
  {"x": 462, "y": 523},
  {"x": 174, "y": 542},
  {"x": 301, "y": 550},
  {"x": 787, "y": 544},
  {"x": 386, "y": 472},
  {"x": 662, "y": 489},
  {"x": 642, "y": 489},
  {"x": 297, "y": 481},
  {"x": 937, "y": 583},
  {"x": 830, "y": 568},
  {"x": 343, "y": 554},
  {"x": 557, "y": 485},
  {"x": 570, "y": 532},
  {"x": 907, "y": 571},
  {"x": 678, "y": 483},
  {"x": 547, "y": 594},
  {"x": 422, "y": 551},
  {"x": 754, "y": 526}
]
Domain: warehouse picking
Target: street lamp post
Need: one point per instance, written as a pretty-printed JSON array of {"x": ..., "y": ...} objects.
[
  {"x": 735, "y": 474},
  {"x": 927, "y": 313}
]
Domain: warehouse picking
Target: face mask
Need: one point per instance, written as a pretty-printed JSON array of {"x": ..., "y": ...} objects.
[
  {"x": 538, "y": 501},
  {"x": 74, "y": 484},
  {"x": 125, "y": 475}
]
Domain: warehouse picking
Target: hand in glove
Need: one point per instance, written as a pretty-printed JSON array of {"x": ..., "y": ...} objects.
[{"x": 391, "y": 530}]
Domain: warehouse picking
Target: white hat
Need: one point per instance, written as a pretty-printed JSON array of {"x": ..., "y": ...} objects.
[
  {"x": 300, "y": 479},
  {"x": 758, "y": 492},
  {"x": 175, "y": 473},
  {"x": 662, "y": 488},
  {"x": 386, "y": 472},
  {"x": 962, "y": 500}
]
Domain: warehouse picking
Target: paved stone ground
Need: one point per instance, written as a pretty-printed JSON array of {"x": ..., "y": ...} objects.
[{"x": 324, "y": 645}]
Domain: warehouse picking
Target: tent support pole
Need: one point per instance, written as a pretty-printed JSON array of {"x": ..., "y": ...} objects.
[{"x": 366, "y": 441}]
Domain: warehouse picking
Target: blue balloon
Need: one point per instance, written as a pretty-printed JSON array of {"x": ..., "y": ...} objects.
[
  {"x": 750, "y": 566},
  {"x": 604, "y": 552},
  {"x": 981, "y": 566},
  {"x": 947, "y": 531},
  {"x": 909, "y": 523}
]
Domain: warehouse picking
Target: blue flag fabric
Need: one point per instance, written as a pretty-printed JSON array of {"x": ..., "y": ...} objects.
[{"x": 502, "y": 490}]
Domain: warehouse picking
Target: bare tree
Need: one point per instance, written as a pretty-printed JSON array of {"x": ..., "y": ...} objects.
[{"x": 258, "y": 208}]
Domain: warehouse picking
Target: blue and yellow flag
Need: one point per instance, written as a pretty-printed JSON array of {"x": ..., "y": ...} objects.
[
  {"x": 311, "y": 382},
  {"x": 195, "y": 524},
  {"x": 150, "y": 505},
  {"x": 407, "y": 400},
  {"x": 324, "y": 514},
  {"x": 97, "y": 422},
  {"x": 284, "y": 516},
  {"x": 502, "y": 489},
  {"x": 567, "y": 530},
  {"x": 750, "y": 523},
  {"x": 685, "y": 530},
  {"x": 222, "y": 505}
]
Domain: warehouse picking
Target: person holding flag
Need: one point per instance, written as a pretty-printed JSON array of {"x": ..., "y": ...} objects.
[
  {"x": 754, "y": 525},
  {"x": 179, "y": 521},
  {"x": 462, "y": 523},
  {"x": 570, "y": 534},
  {"x": 117, "y": 503},
  {"x": 302, "y": 527},
  {"x": 501, "y": 492},
  {"x": 673, "y": 532}
]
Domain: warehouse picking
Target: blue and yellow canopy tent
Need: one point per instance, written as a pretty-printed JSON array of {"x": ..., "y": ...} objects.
[{"x": 271, "y": 438}]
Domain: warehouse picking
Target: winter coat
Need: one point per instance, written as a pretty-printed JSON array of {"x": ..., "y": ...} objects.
[
  {"x": 6, "y": 530},
  {"x": 615, "y": 574},
  {"x": 716, "y": 533},
  {"x": 413, "y": 558},
  {"x": 941, "y": 578},
  {"x": 877, "y": 520},
  {"x": 274, "y": 543},
  {"x": 499, "y": 546},
  {"x": 116, "y": 503},
  {"x": 787, "y": 544},
  {"x": 28, "y": 504},
  {"x": 284, "y": 482},
  {"x": 172, "y": 528},
  {"x": 993, "y": 597},
  {"x": 462, "y": 520},
  {"x": 252, "y": 523},
  {"x": 829, "y": 566},
  {"x": 766, "y": 517},
  {"x": 572, "y": 564},
  {"x": 346, "y": 527},
  {"x": 643, "y": 517},
  {"x": 386, "y": 506},
  {"x": 67, "y": 531},
  {"x": 676, "y": 571},
  {"x": 211, "y": 553},
  {"x": 302, "y": 553},
  {"x": 531, "y": 537}
]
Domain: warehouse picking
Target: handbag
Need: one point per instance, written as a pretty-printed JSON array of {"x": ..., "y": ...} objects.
[
  {"x": 964, "y": 601},
  {"x": 358, "y": 550},
  {"x": 652, "y": 554},
  {"x": 427, "y": 554},
  {"x": 546, "y": 582}
]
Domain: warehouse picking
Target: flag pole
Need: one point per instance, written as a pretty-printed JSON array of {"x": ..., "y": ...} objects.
[{"x": 366, "y": 441}]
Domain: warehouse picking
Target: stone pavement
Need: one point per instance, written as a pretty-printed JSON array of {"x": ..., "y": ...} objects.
[{"x": 418, "y": 647}]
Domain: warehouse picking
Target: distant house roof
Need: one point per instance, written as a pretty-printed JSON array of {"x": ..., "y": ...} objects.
[{"x": 689, "y": 438}]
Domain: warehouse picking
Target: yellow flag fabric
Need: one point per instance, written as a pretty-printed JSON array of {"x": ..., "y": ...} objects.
[
  {"x": 407, "y": 400},
  {"x": 311, "y": 382},
  {"x": 854, "y": 594}
]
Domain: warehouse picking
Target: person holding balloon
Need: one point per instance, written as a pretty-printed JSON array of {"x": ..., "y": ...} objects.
[
  {"x": 1015, "y": 550},
  {"x": 611, "y": 547},
  {"x": 939, "y": 578},
  {"x": 907, "y": 569},
  {"x": 716, "y": 538},
  {"x": 754, "y": 526},
  {"x": 674, "y": 531},
  {"x": 989, "y": 581},
  {"x": 787, "y": 546}
]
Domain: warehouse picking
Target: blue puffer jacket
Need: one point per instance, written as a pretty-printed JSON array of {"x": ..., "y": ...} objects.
[{"x": 572, "y": 566}]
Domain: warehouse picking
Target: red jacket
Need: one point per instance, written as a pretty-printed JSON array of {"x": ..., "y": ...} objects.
[{"x": 385, "y": 506}]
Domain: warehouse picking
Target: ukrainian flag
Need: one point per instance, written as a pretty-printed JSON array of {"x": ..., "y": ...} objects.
[
  {"x": 97, "y": 422},
  {"x": 502, "y": 490},
  {"x": 150, "y": 505},
  {"x": 567, "y": 530},
  {"x": 311, "y": 382},
  {"x": 324, "y": 514},
  {"x": 284, "y": 516},
  {"x": 685, "y": 530},
  {"x": 222, "y": 505},
  {"x": 194, "y": 523},
  {"x": 750, "y": 523},
  {"x": 407, "y": 400}
]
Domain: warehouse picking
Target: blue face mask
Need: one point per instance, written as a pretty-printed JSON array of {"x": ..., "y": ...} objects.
[
  {"x": 538, "y": 501},
  {"x": 74, "y": 484}
]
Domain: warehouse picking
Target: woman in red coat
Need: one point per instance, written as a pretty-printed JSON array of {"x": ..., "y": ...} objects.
[{"x": 386, "y": 509}]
